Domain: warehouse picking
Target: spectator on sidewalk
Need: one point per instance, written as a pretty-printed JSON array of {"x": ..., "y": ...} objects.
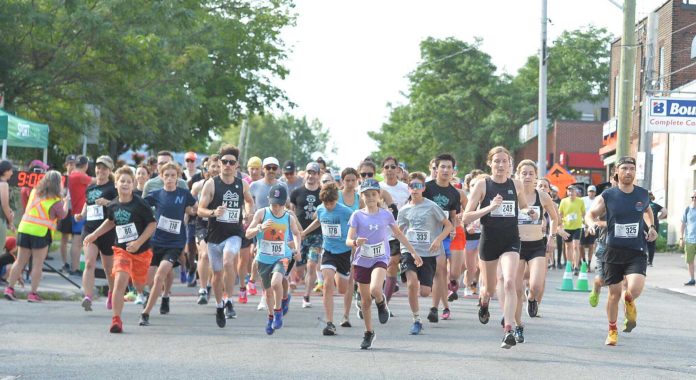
[
  {"x": 6, "y": 213},
  {"x": 688, "y": 237},
  {"x": 7, "y": 258}
]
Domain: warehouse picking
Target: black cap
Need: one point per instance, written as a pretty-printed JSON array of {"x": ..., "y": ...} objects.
[
  {"x": 626, "y": 160},
  {"x": 277, "y": 195},
  {"x": 81, "y": 160},
  {"x": 70, "y": 158},
  {"x": 289, "y": 167}
]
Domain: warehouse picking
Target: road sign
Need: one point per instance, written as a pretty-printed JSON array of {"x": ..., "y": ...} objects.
[{"x": 560, "y": 177}]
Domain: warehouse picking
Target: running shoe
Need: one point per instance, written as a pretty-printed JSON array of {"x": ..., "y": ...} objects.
[
  {"x": 116, "y": 325},
  {"x": 526, "y": 293},
  {"x": 594, "y": 298},
  {"x": 251, "y": 288},
  {"x": 269, "y": 326},
  {"x": 284, "y": 304},
  {"x": 319, "y": 287},
  {"x": 139, "y": 299},
  {"x": 305, "y": 303},
  {"x": 164, "y": 306},
  {"x": 502, "y": 321},
  {"x": 383, "y": 312},
  {"x": 109, "y": 304},
  {"x": 220, "y": 317},
  {"x": 483, "y": 315},
  {"x": 229, "y": 310},
  {"x": 144, "y": 319},
  {"x": 508, "y": 340},
  {"x": 346, "y": 322},
  {"x": 33, "y": 297},
  {"x": 453, "y": 296},
  {"x": 631, "y": 315},
  {"x": 262, "y": 303},
  {"x": 207, "y": 289},
  {"x": 329, "y": 330},
  {"x": 432, "y": 315},
  {"x": 10, "y": 294},
  {"x": 416, "y": 328},
  {"x": 612, "y": 338},
  {"x": 532, "y": 308},
  {"x": 691, "y": 282},
  {"x": 243, "y": 296},
  {"x": 130, "y": 296},
  {"x": 446, "y": 314},
  {"x": 182, "y": 276},
  {"x": 519, "y": 334},
  {"x": 202, "y": 297},
  {"x": 468, "y": 292},
  {"x": 277, "y": 319},
  {"x": 87, "y": 304},
  {"x": 368, "y": 339}
]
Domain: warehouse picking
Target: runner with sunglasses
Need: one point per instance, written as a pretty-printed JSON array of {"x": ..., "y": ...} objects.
[{"x": 221, "y": 202}]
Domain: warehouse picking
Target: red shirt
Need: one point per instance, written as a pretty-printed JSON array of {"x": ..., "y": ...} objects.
[{"x": 77, "y": 186}]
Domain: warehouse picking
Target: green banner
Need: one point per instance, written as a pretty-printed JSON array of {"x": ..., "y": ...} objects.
[
  {"x": 23, "y": 133},
  {"x": 3, "y": 127}
]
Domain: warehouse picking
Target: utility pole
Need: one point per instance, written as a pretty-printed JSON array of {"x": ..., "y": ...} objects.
[
  {"x": 645, "y": 136},
  {"x": 626, "y": 79},
  {"x": 242, "y": 141},
  {"x": 541, "y": 126}
]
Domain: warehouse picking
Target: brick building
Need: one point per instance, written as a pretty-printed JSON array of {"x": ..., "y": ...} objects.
[{"x": 670, "y": 62}]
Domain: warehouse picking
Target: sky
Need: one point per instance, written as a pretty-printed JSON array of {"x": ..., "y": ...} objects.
[{"x": 350, "y": 59}]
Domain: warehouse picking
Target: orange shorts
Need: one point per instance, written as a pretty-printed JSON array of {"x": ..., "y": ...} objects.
[
  {"x": 135, "y": 265},
  {"x": 459, "y": 241}
]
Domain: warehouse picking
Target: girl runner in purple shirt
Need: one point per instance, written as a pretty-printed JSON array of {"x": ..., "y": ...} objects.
[{"x": 368, "y": 233}]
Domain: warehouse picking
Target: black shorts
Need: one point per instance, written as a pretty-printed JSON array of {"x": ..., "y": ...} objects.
[
  {"x": 394, "y": 248},
  {"x": 191, "y": 232},
  {"x": 493, "y": 246},
  {"x": 587, "y": 240},
  {"x": 65, "y": 225},
  {"x": 532, "y": 249},
  {"x": 201, "y": 234},
  {"x": 160, "y": 254},
  {"x": 363, "y": 275},
  {"x": 573, "y": 235},
  {"x": 425, "y": 272},
  {"x": 339, "y": 262},
  {"x": 34, "y": 242},
  {"x": 104, "y": 243},
  {"x": 247, "y": 242},
  {"x": 614, "y": 272}
]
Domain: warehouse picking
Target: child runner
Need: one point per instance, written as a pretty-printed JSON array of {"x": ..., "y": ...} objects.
[
  {"x": 272, "y": 226},
  {"x": 134, "y": 224},
  {"x": 425, "y": 225},
  {"x": 368, "y": 233}
]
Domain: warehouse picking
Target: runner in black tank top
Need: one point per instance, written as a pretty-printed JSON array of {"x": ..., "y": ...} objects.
[
  {"x": 625, "y": 206},
  {"x": 230, "y": 223},
  {"x": 495, "y": 201}
]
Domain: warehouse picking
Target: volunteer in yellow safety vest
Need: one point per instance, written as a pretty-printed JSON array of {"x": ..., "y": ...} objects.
[{"x": 40, "y": 218}]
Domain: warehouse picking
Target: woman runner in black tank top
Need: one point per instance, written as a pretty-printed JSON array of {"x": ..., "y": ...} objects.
[{"x": 496, "y": 202}]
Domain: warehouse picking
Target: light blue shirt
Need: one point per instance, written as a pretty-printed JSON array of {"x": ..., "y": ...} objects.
[{"x": 689, "y": 218}]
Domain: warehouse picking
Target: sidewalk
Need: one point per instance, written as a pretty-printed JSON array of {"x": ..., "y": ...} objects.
[{"x": 669, "y": 273}]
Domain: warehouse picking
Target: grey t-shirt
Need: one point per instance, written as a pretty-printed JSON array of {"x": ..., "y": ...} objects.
[
  {"x": 259, "y": 191},
  {"x": 157, "y": 183},
  {"x": 421, "y": 223},
  {"x": 299, "y": 182}
]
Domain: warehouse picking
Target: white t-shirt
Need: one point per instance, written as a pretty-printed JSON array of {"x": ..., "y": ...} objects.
[
  {"x": 399, "y": 192},
  {"x": 588, "y": 202}
]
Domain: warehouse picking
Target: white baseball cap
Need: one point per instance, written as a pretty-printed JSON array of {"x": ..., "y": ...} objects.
[
  {"x": 591, "y": 188},
  {"x": 270, "y": 161}
]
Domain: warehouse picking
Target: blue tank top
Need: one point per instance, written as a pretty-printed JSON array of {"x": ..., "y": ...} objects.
[
  {"x": 273, "y": 242},
  {"x": 356, "y": 201},
  {"x": 625, "y": 222}
]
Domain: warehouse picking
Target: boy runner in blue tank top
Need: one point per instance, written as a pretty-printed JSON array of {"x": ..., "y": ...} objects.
[
  {"x": 272, "y": 226},
  {"x": 627, "y": 209},
  {"x": 333, "y": 218}
]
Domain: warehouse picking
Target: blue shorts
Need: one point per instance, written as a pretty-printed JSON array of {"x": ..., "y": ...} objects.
[
  {"x": 446, "y": 245},
  {"x": 311, "y": 249},
  {"x": 472, "y": 244},
  {"x": 77, "y": 226}
]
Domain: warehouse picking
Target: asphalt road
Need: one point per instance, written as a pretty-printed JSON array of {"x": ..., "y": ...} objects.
[{"x": 60, "y": 340}]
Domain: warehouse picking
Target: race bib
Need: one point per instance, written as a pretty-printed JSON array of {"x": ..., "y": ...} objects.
[
  {"x": 95, "y": 212},
  {"x": 172, "y": 226},
  {"x": 572, "y": 217},
  {"x": 506, "y": 210},
  {"x": 418, "y": 236},
  {"x": 273, "y": 248},
  {"x": 231, "y": 215},
  {"x": 126, "y": 233},
  {"x": 372, "y": 251},
  {"x": 523, "y": 218},
  {"x": 331, "y": 230},
  {"x": 626, "y": 231}
]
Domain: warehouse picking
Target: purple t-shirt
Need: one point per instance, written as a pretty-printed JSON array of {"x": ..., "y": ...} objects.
[{"x": 376, "y": 228}]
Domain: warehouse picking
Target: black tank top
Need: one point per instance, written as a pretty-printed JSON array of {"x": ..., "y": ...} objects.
[
  {"x": 230, "y": 223},
  {"x": 625, "y": 222},
  {"x": 505, "y": 217},
  {"x": 537, "y": 207}
]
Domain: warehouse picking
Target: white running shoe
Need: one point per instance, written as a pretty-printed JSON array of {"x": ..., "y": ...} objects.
[
  {"x": 306, "y": 304},
  {"x": 140, "y": 299},
  {"x": 262, "y": 304}
]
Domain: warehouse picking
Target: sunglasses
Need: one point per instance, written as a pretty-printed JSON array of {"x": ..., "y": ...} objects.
[
  {"x": 416, "y": 185},
  {"x": 368, "y": 175},
  {"x": 190, "y": 160},
  {"x": 271, "y": 168},
  {"x": 228, "y": 162},
  {"x": 390, "y": 167}
]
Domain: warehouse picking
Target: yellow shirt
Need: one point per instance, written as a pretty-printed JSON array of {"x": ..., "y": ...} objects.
[{"x": 573, "y": 212}]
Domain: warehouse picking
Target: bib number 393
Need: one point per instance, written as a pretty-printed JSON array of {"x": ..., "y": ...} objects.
[
  {"x": 126, "y": 233},
  {"x": 506, "y": 210},
  {"x": 626, "y": 231}
]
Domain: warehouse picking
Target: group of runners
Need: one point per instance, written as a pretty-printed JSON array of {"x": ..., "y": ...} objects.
[{"x": 353, "y": 235}]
